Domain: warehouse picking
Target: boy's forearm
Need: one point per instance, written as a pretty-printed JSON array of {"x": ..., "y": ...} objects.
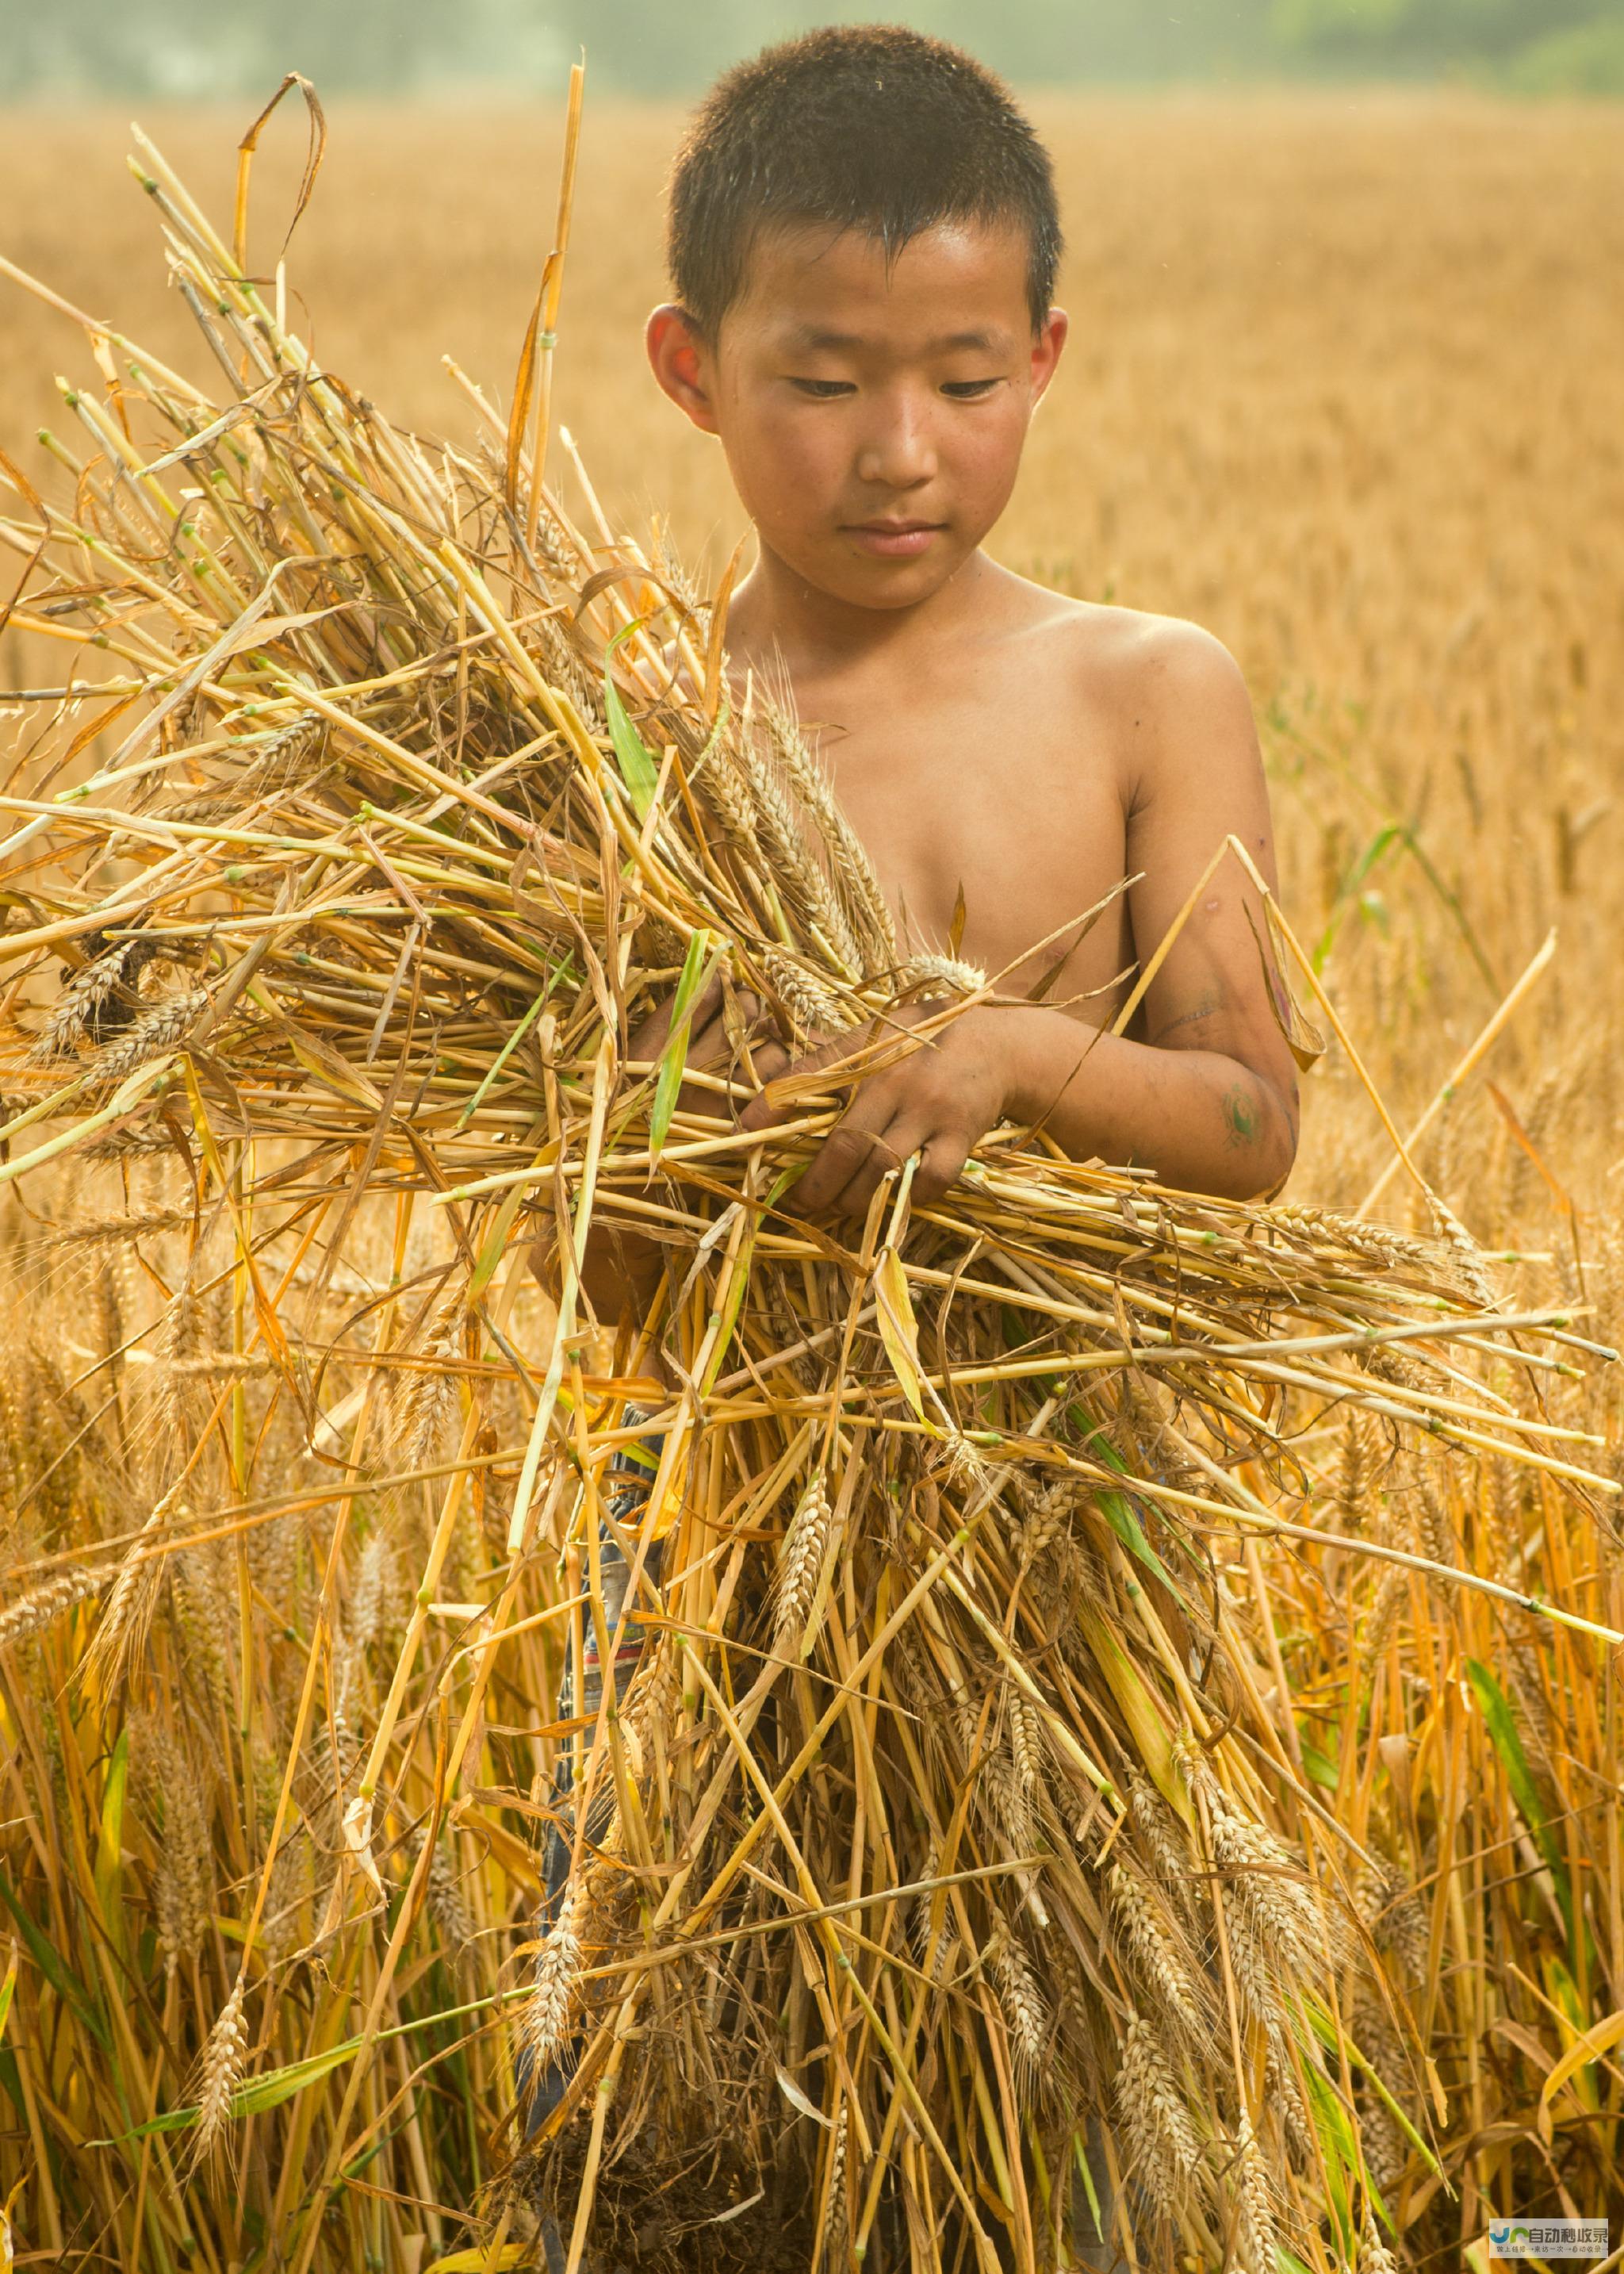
[{"x": 1205, "y": 1122}]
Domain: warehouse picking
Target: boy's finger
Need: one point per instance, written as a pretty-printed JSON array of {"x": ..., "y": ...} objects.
[
  {"x": 709, "y": 1047},
  {"x": 941, "y": 1167},
  {"x": 649, "y": 1038},
  {"x": 708, "y": 1039},
  {"x": 834, "y": 1164},
  {"x": 707, "y": 1002},
  {"x": 849, "y": 1163},
  {"x": 769, "y": 1059},
  {"x": 888, "y": 1155},
  {"x": 763, "y": 1112}
]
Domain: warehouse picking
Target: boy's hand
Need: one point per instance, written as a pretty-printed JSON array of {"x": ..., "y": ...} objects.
[
  {"x": 711, "y": 1048},
  {"x": 620, "y": 1270},
  {"x": 939, "y": 1101}
]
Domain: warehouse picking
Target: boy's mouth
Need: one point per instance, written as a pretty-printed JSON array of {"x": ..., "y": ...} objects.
[{"x": 894, "y": 541}]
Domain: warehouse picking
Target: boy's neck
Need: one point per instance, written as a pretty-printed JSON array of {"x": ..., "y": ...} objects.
[{"x": 776, "y": 613}]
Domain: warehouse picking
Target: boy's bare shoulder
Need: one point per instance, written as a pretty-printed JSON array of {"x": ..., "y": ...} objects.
[
  {"x": 1130, "y": 654},
  {"x": 1169, "y": 688}
]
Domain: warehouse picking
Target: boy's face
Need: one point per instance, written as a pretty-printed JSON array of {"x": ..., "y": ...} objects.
[{"x": 873, "y": 413}]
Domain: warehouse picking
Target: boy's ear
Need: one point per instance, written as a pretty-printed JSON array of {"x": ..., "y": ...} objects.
[
  {"x": 682, "y": 364},
  {"x": 1046, "y": 350}
]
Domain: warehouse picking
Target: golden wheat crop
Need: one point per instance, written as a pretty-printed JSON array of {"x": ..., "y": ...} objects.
[{"x": 1337, "y": 388}]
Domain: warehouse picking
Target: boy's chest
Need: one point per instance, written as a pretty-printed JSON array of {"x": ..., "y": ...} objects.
[{"x": 996, "y": 797}]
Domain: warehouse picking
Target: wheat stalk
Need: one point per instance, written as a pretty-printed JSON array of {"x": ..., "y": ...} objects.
[
  {"x": 1166, "y": 2148},
  {"x": 41, "y": 1606},
  {"x": 220, "y": 2073},
  {"x": 552, "y": 1988},
  {"x": 801, "y": 1561}
]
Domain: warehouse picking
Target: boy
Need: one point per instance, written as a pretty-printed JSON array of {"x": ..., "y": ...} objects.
[{"x": 863, "y": 239}]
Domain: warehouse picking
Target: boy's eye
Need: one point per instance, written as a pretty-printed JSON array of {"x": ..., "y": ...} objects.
[
  {"x": 824, "y": 391},
  {"x": 968, "y": 390}
]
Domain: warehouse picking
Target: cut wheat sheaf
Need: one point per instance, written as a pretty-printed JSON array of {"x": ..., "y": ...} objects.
[{"x": 952, "y": 1800}]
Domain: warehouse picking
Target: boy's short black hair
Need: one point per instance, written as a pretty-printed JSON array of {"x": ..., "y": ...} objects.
[{"x": 865, "y": 126}]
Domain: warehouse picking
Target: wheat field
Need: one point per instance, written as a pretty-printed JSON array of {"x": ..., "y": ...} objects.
[
  {"x": 1338, "y": 387},
  {"x": 1342, "y": 385}
]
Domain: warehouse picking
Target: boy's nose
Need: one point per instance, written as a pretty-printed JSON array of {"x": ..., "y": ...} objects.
[{"x": 898, "y": 452}]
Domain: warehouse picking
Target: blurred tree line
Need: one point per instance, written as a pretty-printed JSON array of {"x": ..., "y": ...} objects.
[
  {"x": 194, "y": 48},
  {"x": 1542, "y": 46}
]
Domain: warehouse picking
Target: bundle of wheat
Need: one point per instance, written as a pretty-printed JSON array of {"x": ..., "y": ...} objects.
[{"x": 952, "y": 1800}]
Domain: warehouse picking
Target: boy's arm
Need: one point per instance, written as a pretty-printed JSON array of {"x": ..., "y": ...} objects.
[{"x": 1209, "y": 1099}]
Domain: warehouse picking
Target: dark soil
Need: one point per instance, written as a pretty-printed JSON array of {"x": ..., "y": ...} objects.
[{"x": 652, "y": 2215}]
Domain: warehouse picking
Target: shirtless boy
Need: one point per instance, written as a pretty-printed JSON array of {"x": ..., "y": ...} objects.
[{"x": 863, "y": 238}]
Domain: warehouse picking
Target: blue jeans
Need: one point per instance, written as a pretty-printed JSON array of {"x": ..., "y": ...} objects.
[{"x": 627, "y": 1482}]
